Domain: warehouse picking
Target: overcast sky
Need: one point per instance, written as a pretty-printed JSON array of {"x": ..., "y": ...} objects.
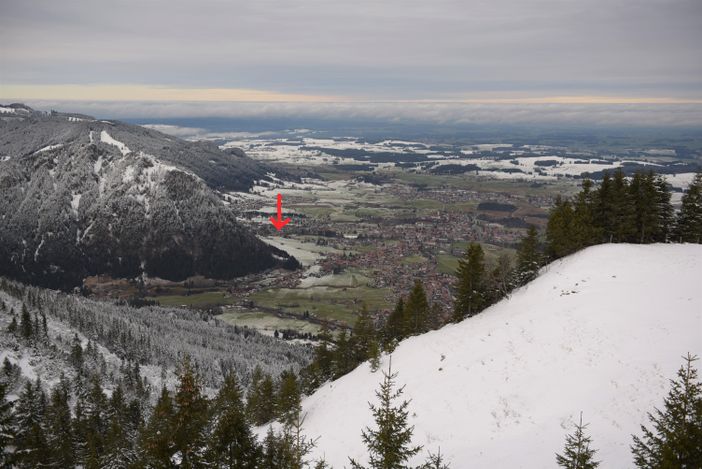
[{"x": 518, "y": 51}]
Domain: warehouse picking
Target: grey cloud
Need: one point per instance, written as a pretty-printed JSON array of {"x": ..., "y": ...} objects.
[
  {"x": 558, "y": 115},
  {"x": 361, "y": 48}
]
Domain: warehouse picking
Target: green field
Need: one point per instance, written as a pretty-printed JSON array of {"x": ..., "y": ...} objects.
[
  {"x": 415, "y": 259},
  {"x": 326, "y": 302},
  {"x": 198, "y": 299},
  {"x": 448, "y": 263},
  {"x": 267, "y": 322}
]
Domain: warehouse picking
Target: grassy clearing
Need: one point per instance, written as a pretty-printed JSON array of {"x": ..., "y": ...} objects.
[
  {"x": 414, "y": 259},
  {"x": 448, "y": 263},
  {"x": 267, "y": 322},
  {"x": 197, "y": 299},
  {"x": 337, "y": 303}
]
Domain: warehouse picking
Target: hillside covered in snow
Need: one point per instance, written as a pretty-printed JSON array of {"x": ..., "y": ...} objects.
[{"x": 601, "y": 332}]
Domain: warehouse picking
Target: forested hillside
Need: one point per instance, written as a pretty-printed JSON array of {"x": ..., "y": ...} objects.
[{"x": 84, "y": 197}]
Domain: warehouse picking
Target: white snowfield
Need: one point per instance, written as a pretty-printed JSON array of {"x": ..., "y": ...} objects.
[
  {"x": 107, "y": 138},
  {"x": 600, "y": 332}
]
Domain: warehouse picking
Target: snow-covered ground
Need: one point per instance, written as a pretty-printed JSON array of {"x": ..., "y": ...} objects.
[
  {"x": 107, "y": 138},
  {"x": 600, "y": 332}
]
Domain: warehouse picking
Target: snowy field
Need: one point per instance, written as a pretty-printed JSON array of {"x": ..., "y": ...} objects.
[
  {"x": 600, "y": 332},
  {"x": 542, "y": 164}
]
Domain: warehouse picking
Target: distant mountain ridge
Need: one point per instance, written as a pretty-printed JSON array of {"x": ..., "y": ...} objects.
[{"x": 83, "y": 196}]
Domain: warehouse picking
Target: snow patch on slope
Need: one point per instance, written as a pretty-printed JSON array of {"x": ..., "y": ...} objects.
[
  {"x": 601, "y": 332},
  {"x": 49, "y": 148},
  {"x": 107, "y": 138}
]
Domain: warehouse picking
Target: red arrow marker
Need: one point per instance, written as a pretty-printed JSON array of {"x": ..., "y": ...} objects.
[{"x": 280, "y": 222}]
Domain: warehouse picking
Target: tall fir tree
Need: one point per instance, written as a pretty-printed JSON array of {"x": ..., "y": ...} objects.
[
  {"x": 343, "y": 355},
  {"x": 666, "y": 214},
  {"x": 7, "y": 427},
  {"x": 119, "y": 444},
  {"x": 59, "y": 429},
  {"x": 416, "y": 310},
  {"x": 288, "y": 399},
  {"x": 529, "y": 257},
  {"x": 390, "y": 443},
  {"x": 676, "y": 438},
  {"x": 603, "y": 210},
  {"x": 561, "y": 239},
  {"x": 585, "y": 230},
  {"x": 577, "y": 453},
  {"x": 394, "y": 329},
  {"x": 624, "y": 210},
  {"x": 31, "y": 448},
  {"x": 231, "y": 443},
  {"x": 156, "y": 439},
  {"x": 26, "y": 329},
  {"x": 190, "y": 418},
  {"x": 471, "y": 284},
  {"x": 363, "y": 335},
  {"x": 688, "y": 226}
]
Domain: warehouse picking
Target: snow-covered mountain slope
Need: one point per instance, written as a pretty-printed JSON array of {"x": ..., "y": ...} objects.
[
  {"x": 84, "y": 197},
  {"x": 600, "y": 332}
]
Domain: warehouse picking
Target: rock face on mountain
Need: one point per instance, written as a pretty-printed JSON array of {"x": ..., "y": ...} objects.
[{"x": 82, "y": 197}]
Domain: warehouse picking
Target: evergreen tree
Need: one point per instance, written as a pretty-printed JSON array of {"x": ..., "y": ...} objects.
[
  {"x": 7, "y": 427},
  {"x": 622, "y": 204},
  {"x": 273, "y": 457},
  {"x": 343, "y": 355},
  {"x": 394, "y": 330},
  {"x": 91, "y": 422},
  {"x": 156, "y": 441},
  {"x": 666, "y": 214},
  {"x": 293, "y": 445},
  {"x": 529, "y": 257},
  {"x": 363, "y": 335},
  {"x": 288, "y": 401},
  {"x": 252, "y": 404},
  {"x": 561, "y": 236},
  {"x": 501, "y": 278},
  {"x": 323, "y": 357},
  {"x": 416, "y": 310},
  {"x": 577, "y": 453},
  {"x": 471, "y": 288},
  {"x": 119, "y": 448},
  {"x": 12, "y": 328},
  {"x": 603, "y": 210},
  {"x": 32, "y": 449},
  {"x": 25, "y": 323},
  {"x": 231, "y": 444},
  {"x": 645, "y": 197},
  {"x": 436, "y": 461},
  {"x": 59, "y": 429},
  {"x": 190, "y": 418},
  {"x": 76, "y": 355},
  {"x": 585, "y": 229},
  {"x": 676, "y": 438},
  {"x": 688, "y": 228},
  {"x": 390, "y": 444}
]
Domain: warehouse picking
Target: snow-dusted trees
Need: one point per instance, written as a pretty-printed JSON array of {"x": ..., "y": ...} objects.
[
  {"x": 676, "y": 438},
  {"x": 7, "y": 429},
  {"x": 578, "y": 454}
]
